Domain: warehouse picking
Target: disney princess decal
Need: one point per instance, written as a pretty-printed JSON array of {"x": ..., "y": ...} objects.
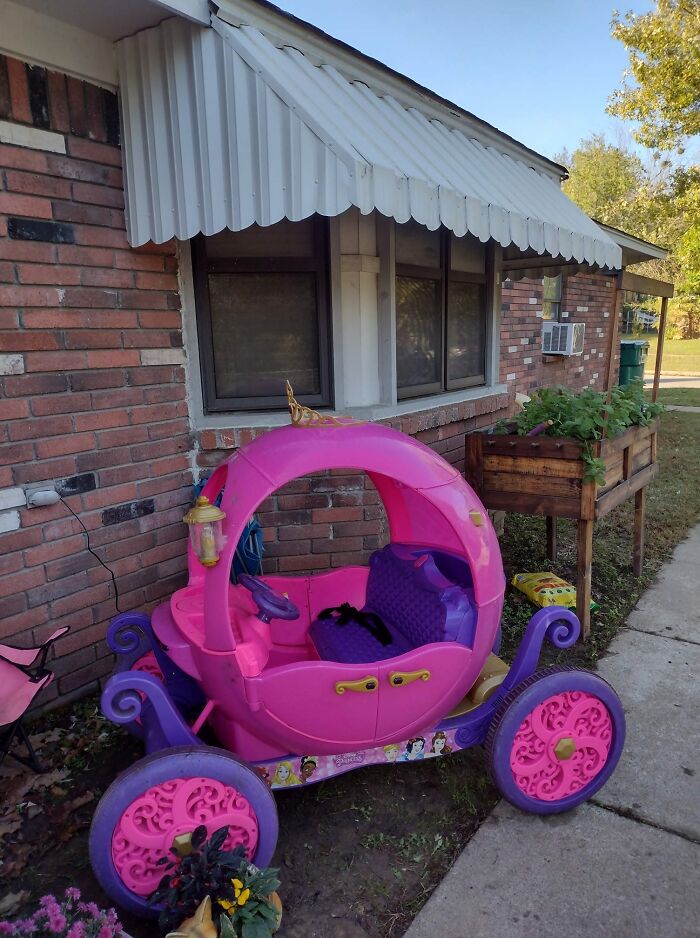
[
  {"x": 307, "y": 767},
  {"x": 285, "y": 775},
  {"x": 438, "y": 745},
  {"x": 415, "y": 749}
]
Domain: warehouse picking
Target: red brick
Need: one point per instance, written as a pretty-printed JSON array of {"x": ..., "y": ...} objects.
[
  {"x": 336, "y": 514},
  {"x": 52, "y": 550},
  {"x": 94, "y": 106},
  {"x": 60, "y": 404},
  {"x": 97, "y": 380},
  {"x": 26, "y": 341},
  {"x": 14, "y": 453},
  {"x": 28, "y": 296},
  {"x": 100, "y": 237},
  {"x": 9, "y": 318},
  {"x": 62, "y": 446},
  {"x": 87, "y": 339},
  {"x": 7, "y": 272},
  {"x": 13, "y": 410},
  {"x": 85, "y": 256},
  {"x": 81, "y": 214},
  {"x": 135, "y": 260},
  {"x": 11, "y": 625},
  {"x": 25, "y": 385},
  {"x": 98, "y": 195},
  {"x": 156, "y": 281},
  {"x": 160, "y": 319},
  {"x": 33, "y": 161},
  {"x": 19, "y": 582},
  {"x": 102, "y": 420},
  {"x": 38, "y": 184},
  {"x": 48, "y": 274},
  {"x": 27, "y": 251},
  {"x": 118, "y": 358},
  {"x": 42, "y": 426},
  {"x": 55, "y": 361},
  {"x": 95, "y": 152},
  {"x": 19, "y": 91},
  {"x": 76, "y": 106},
  {"x": 58, "y": 102},
  {"x": 32, "y": 206},
  {"x": 304, "y": 562},
  {"x": 107, "y": 277},
  {"x": 39, "y": 472}
]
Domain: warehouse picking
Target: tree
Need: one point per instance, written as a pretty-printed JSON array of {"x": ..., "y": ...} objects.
[
  {"x": 604, "y": 180},
  {"x": 664, "y": 51}
]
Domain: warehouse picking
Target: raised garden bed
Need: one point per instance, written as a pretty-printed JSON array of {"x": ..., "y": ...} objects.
[{"x": 544, "y": 475}]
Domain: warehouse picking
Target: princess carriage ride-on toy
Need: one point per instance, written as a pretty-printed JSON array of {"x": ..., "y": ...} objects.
[{"x": 299, "y": 678}]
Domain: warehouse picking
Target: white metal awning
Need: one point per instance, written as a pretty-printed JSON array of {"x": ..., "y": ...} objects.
[{"x": 223, "y": 128}]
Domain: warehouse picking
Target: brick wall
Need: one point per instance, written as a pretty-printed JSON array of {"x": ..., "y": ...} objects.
[
  {"x": 92, "y": 390},
  {"x": 587, "y": 298}
]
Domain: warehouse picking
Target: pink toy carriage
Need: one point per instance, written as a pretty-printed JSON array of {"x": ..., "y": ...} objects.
[{"x": 300, "y": 678}]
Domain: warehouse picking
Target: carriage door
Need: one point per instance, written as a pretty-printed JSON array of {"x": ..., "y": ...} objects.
[{"x": 415, "y": 694}]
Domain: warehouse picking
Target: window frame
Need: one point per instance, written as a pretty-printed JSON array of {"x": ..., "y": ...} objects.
[
  {"x": 318, "y": 264},
  {"x": 558, "y": 302},
  {"x": 446, "y": 276}
]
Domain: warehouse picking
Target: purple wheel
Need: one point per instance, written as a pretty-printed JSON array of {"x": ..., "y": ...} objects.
[
  {"x": 169, "y": 794},
  {"x": 555, "y": 740}
]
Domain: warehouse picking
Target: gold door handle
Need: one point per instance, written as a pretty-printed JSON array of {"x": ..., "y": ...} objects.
[
  {"x": 366, "y": 685},
  {"x": 399, "y": 678}
]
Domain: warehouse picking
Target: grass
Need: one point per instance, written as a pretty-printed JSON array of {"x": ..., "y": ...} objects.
[
  {"x": 686, "y": 397},
  {"x": 680, "y": 355},
  {"x": 361, "y": 853}
]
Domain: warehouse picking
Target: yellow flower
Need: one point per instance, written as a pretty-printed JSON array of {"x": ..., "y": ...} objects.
[
  {"x": 243, "y": 897},
  {"x": 225, "y": 904},
  {"x": 237, "y": 885}
]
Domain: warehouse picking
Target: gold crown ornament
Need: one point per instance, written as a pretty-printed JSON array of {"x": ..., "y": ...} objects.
[{"x": 303, "y": 416}]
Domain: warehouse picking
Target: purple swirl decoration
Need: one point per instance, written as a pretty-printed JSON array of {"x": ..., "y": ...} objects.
[
  {"x": 127, "y": 632},
  {"x": 564, "y": 631}
]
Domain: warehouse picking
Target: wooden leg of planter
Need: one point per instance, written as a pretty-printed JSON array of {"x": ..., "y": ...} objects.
[
  {"x": 551, "y": 537},
  {"x": 638, "y": 549},
  {"x": 584, "y": 550}
]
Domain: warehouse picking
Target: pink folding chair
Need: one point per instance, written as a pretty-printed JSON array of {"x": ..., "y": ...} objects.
[
  {"x": 32, "y": 659},
  {"x": 23, "y": 674},
  {"x": 17, "y": 692}
]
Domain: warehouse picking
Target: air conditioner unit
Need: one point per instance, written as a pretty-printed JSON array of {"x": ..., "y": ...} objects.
[{"x": 563, "y": 338}]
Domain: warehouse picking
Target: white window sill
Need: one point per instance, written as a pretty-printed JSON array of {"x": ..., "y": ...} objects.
[{"x": 243, "y": 420}]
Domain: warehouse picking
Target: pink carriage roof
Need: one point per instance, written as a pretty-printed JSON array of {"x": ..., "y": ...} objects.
[{"x": 427, "y": 501}]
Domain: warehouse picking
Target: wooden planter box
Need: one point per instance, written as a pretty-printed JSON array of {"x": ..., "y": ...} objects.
[{"x": 544, "y": 476}]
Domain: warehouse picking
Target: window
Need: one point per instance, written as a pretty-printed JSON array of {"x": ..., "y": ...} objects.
[
  {"x": 440, "y": 311},
  {"x": 551, "y": 297},
  {"x": 263, "y": 315}
]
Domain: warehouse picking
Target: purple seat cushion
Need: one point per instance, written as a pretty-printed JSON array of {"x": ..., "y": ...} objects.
[
  {"x": 353, "y": 643},
  {"x": 418, "y": 604}
]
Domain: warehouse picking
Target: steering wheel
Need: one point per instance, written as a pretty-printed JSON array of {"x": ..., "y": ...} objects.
[{"x": 270, "y": 603}]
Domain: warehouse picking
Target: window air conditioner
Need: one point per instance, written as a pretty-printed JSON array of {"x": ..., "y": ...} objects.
[{"x": 563, "y": 338}]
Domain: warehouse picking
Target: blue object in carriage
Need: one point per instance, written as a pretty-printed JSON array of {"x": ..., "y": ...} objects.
[{"x": 249, "y": 551}]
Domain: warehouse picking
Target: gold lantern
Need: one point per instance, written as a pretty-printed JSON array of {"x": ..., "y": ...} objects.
[{"x": 206, "y": 533}]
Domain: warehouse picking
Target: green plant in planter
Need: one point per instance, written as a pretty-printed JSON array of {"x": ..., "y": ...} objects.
[
  {"x": 236, "y": 887},
  {"x": 587, "y": 416}
]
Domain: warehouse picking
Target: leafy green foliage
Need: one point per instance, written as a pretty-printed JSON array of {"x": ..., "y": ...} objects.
[
  {"x": 587, "y": 416},
  {"x": 664, "y": 51}
]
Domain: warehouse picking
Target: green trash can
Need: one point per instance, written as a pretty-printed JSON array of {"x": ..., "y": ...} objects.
[{"x": 633, "y": 355}]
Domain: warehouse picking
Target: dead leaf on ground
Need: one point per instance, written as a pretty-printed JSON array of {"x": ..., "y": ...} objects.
[
  {"x": 10, "y": 903},
  {"x": 8, "y": 825}
]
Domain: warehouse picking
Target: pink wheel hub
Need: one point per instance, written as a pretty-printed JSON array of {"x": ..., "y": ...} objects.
[
  {"x": 149, "y": 825},
  {"x": 561, "y": 746}
]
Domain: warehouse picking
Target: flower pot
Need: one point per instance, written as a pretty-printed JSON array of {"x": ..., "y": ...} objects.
[{"x": 276, "y": 902}]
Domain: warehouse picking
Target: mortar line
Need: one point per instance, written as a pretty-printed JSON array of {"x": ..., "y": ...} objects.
[{"x": 630, "y": 815}]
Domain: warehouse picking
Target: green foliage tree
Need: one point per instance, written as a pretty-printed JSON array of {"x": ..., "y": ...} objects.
[{"x": 664, "y": 51}]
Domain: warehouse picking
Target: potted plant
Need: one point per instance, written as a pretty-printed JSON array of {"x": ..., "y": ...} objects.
[{"x": 210, "y": 892}]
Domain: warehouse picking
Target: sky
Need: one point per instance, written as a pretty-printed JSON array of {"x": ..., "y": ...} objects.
[{"x": 539, "y": 70}]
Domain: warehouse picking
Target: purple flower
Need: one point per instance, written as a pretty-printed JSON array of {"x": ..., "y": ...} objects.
[
  {"x": 57, "y": 921},
  {"x": 72, "y": 893},
  {"x": 77, "y": 930},
  {"x": 6, "y": 928}
]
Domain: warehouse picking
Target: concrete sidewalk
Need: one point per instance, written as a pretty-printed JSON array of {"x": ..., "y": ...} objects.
[{"x": 626, "y": 863}]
